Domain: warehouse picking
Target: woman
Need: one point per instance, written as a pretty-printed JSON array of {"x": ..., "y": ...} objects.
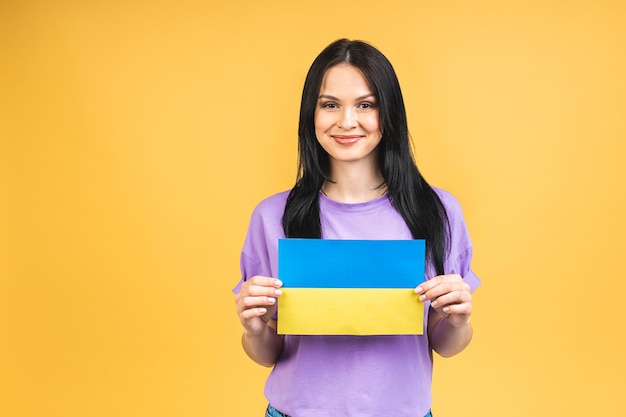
[{"x": 357, "y": 180}]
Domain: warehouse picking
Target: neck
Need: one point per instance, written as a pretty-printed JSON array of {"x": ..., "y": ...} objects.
[{"x": 354, "y": 184}]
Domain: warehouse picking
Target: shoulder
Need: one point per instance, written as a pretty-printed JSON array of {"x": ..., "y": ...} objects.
[
  {"x": 265, "y": 225},
  {"x": 258, "y": 256},
  {"x": 459, "y": 236},
  {"x": 450, "y": 203},
  {"x": 460, "y": 253},
  {"x": 271, "y": 205},
  {"x": 268, "y": 214}
]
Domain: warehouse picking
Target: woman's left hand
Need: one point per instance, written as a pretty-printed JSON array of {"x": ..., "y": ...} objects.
[{"x": 450, "y": 296}]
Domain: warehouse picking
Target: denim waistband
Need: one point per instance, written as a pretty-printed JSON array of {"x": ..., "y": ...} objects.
[{"x": 272, "y": 412}]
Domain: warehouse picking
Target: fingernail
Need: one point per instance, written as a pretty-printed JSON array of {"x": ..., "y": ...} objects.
[
  {"x": 422, "y": 297},
  {"x": 271, "y": 300},
  {"x": 278, "y": 283},
  {"x": 278, "y": 292},
  {"x": 446, "y": 309},
  {"x": 434, "y": 304},
  {"x": 418, "y": 290}
]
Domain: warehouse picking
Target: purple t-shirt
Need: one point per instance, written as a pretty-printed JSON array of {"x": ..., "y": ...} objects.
[{"x": 324, "y": 376}]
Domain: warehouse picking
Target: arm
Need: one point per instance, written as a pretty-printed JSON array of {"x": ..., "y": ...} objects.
[
  {"x": 446, "y": 339},
  {"x": 263, "y": 348},
  {"x": 449, "y": 329},
  {"x": 256, "y": 304}
]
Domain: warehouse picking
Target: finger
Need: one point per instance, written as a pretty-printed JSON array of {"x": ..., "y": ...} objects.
[
  {"x": 458, "y": 309},
  {"x": 458, "y": 314},
  {"x": 253, "y": 313},
  {"x": 444, "y": 288},
  {"x": 438, "y": 280},
  {"x": 264, "y": 281},
  {"x": 437, "y": 291},
  {"x": 256, "y": 290},
  {"x": 453, "y": 297},
  {"x": 258, "y": 301}
]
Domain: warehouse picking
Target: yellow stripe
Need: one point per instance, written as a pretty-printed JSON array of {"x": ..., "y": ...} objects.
[{"x": 350, "y": 311}]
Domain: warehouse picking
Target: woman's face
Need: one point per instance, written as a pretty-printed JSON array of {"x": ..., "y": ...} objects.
[{"x": 346, "y": 116}]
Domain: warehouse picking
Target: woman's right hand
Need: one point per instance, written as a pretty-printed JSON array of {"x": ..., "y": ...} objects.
[{"x": 256, "y": 303}]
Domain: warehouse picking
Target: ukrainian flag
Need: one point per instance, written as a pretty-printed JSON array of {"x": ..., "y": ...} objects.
[{"x": 350, "y": 287}]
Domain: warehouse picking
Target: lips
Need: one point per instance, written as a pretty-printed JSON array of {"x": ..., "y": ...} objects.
[{"x": 347, "y": 139}]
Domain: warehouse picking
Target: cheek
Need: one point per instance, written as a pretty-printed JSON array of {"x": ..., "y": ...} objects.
[
  {"x": 371, "y": 123},
  {"x": 319, "y": 129},
  {"x": 322, "y": 123}
]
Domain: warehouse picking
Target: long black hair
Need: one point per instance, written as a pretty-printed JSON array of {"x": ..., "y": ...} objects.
[{"x": 408, "y": 192}]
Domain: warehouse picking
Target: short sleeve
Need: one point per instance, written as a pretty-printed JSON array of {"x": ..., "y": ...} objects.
[
  {"x": 459, "y": 260},
  {"x": 462, "y": 266},
  {"x": 260, "y": 248},
  {"x": 249, "y": 268}
]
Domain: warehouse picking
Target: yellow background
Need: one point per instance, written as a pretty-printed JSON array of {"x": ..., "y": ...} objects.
[{"x": 137, "y": 136}]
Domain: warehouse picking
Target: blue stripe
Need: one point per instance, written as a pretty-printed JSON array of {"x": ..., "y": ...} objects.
[{"x": 325, "y": 263}]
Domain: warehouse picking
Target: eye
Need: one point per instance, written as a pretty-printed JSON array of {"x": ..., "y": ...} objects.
[
  {"x": 367, "y": 105},
  {"x": 329, "y": 105}
]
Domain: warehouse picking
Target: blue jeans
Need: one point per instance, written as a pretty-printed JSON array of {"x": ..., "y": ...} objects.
[{"x": 272, "y": 412}]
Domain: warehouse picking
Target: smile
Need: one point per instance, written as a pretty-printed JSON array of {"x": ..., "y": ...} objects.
[{"x": 347, "y": 139}]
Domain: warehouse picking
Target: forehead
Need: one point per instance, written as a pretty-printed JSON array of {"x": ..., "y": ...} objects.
[{"x": 346, "y": 79}]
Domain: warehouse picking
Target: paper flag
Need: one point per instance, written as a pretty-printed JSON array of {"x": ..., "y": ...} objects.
[{"x": 350, "y": 287}]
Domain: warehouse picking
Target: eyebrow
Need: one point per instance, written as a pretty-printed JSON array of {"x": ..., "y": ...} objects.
[{"x": 327, "y": 96}]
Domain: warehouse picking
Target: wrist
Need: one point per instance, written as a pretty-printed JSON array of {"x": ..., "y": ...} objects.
[
  {"x": 254, "y": 334},
  {"x": 455, "y": 321},
  {"x": 257, "y": 332}
]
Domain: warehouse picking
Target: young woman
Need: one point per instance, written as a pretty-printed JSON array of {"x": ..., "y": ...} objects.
[{"x": 357, "y": 180}]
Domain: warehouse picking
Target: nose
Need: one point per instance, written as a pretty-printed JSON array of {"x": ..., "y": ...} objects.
[{"x": 348, "y": 118}]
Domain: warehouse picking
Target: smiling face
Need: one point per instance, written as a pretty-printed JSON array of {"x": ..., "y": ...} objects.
[{"x": 346, "y": 117}]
